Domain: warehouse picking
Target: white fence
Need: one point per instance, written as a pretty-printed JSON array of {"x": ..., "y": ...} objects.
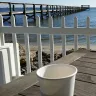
[{"x": 26, "y": 30}]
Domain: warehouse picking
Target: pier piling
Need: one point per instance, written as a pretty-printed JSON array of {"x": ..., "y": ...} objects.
[{"x": 44, "y": 10}]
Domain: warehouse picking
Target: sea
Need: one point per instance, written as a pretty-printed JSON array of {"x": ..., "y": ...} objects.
[{"x": 69, "y": 22}]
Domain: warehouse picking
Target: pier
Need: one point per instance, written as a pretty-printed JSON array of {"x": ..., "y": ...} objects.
[
  {"x": 43, "y": 10},
  {"x": 13, "y": 84}
]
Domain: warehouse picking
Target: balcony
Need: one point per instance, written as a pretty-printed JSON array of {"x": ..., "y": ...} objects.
[{"x": 83, "y": 59}]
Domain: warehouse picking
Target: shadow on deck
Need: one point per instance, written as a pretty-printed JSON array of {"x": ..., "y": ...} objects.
[{"x": 84, "y": 60}]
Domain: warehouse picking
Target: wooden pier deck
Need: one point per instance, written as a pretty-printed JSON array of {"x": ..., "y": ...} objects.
[
  {"x": 43, "y": 9},
  {"x": 84, "y": 60}
]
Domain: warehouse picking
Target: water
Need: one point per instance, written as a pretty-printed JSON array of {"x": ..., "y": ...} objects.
[{"x": 69, "y": 19}]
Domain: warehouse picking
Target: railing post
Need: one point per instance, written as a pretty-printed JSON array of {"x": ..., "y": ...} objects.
[
  {"x": 47, "y": 8},
  {"x": 63, "y": 37},
  {"x": 52, "y": 11},
  {"x": 75, "y": 36},
  {"x": 50, "y": 7},
  {"x": 39, "y": 43},
  {"x": 10, "y": 9},
  {"x": 2, "y": 39},
  {"x": 16, "y": 49},
  {"x": 41, "y": 8},
  {"x": 88, "y": 36},
  {"x": 57, "y": 10},
  {"x": 65, "y": 10},
  {"x": 60, "y": 11},
  {"x": 13, "y": 7},
  {"x": 26, "y": 35},
  {"x": 51, "y": 38},
  {"x": 24, "y": 9},
  {"x": 5, "y": 71},
  {"x": 34, "y": 12}
]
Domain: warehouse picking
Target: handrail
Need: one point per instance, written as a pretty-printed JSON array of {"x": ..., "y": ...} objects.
[
  {"x": 38, "y": 30},
  {"x": 38, "y": 4}
]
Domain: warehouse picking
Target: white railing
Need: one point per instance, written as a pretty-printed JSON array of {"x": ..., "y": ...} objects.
[{"x": 26, "y": 30}]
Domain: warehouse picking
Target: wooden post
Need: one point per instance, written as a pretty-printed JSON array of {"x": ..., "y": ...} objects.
[
  {"x": 75, "y": 9},
  {"x": 13, "y": 7},
  {"x": 39, "y": 43},
  {"x": 60, "y": 11},
  {"x": 27, "y": 46},
  {"x": 50, "y": 7},
  {"x": 56, "y": 10},
  {"x": 69, "y": 9},
  {"x": 2, "y": 39},
  {"x": 14, "y": 10},
  {"x": 41, "y": 8},
  {"x": 16, "y": 49},
  {"x": 24, "y": 9},
  {"x": 51, "y": 38},
  {"x": 75, "y": 36},
  {"x": 88, "y": 36},
  {"x": 72, "y": 9},
  {"x": 63, "y": 37},
  {"x": 34, "y": 12},
  {"x": 47, "y": 8},
  {"x": 65, "y": 10},
  {"x": 52, "y": 11},
  {"x": 10, "y": 9}
]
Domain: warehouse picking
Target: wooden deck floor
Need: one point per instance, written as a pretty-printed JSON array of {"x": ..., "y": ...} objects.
[{"x": 85, "y": 79}]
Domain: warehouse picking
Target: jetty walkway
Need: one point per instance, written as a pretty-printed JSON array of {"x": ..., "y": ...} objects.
[{"x": 42, "y": 9}]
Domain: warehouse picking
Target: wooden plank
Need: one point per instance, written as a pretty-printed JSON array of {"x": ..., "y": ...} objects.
[
  {"x": 22, "y": 83},
  {"x": 86, "y": 70},
  {"x": 32, "y": 91},
  {"x": 84, "y": 64},
  {"x": 90, "y": 60},
  {"x": 91, "y": 55},
  {"x": 71, "y": 57},
  {"x": 18, "y": 85},
  {"x": 81, "y": 89},
  {"x": 86, "y": 78},
  {"x": 85, "y": 89}
]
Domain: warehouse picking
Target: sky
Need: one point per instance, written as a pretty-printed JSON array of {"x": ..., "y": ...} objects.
[{"x": 92, "y": 3}]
